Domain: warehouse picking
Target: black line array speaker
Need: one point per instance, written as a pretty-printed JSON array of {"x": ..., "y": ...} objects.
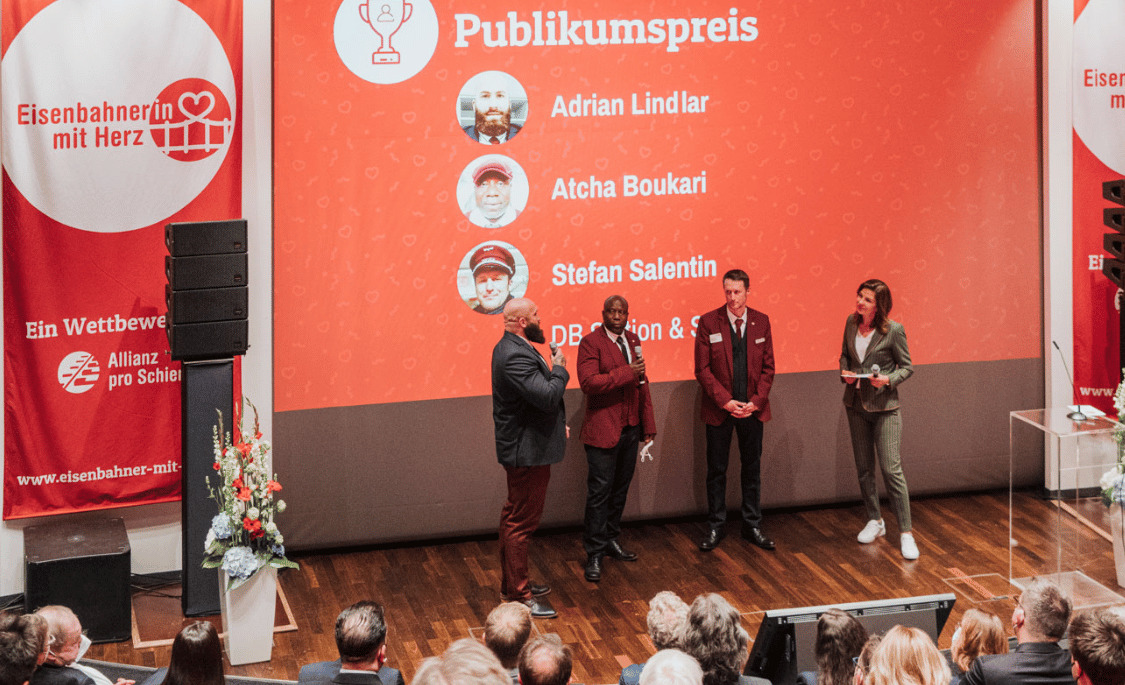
[
  {"x": 83, "y": 565},
  {"x": 206, "y": 293}
]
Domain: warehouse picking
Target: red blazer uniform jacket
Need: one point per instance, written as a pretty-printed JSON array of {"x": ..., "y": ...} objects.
[
  {"x": 714, "y": 362},
  {"x": 612, "y": 394}
]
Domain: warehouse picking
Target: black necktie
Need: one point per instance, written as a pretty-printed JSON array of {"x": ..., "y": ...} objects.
[{"x": 621, "y": 344}]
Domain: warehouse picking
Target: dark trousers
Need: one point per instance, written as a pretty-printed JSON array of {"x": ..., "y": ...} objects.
[
  {"x": 718, "y": 456},
  {"x": 608, "y": 474},
  {"x": 527, "y": 490}
]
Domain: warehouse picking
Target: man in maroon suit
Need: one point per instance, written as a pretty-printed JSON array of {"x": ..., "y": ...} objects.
[
  {"x": 618, "y": 413},
  {"x": 734, "y": 364}
]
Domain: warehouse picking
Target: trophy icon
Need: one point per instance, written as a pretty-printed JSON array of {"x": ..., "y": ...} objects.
[{"x": 385, "y": 17}]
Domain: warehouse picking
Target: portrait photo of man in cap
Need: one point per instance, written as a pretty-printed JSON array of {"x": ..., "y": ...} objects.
[
  {"x": 491, "y": 275},
  {"x": 492, "y": 191}
]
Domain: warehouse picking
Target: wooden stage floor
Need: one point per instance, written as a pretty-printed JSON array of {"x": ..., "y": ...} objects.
[{"x": 435, "y": 594}]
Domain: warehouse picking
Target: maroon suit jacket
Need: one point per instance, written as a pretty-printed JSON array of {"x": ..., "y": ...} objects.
[
  {"x": 714, "y": 362},
  {"x": 612, "y": 394}
]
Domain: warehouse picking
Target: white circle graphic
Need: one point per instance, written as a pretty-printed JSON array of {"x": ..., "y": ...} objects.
[
  {"x": 385, "y": 41},
  {"x": 78, "y": 372},
  {"x": 78, "y": 142},
  {"x": 1099, "y": 89}
]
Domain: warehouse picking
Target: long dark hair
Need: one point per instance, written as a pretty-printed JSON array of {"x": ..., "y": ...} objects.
[
  {"x": 839, "y": 639},
  {"x": 197, "y": 657},
  {"x": 882, "y": 303}
]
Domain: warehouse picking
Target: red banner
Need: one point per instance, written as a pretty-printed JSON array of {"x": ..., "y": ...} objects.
[
  {"x": 118, "y": 117},
  {"x": 1099, "y": 155}
]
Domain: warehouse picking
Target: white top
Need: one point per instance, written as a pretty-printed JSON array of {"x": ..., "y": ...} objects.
[{"x": 861, "y": 343}]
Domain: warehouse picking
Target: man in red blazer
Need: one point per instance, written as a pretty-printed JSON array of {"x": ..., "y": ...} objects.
[
  {"x": 618, "y": 413},
  {"x": 734, "y": 364}
]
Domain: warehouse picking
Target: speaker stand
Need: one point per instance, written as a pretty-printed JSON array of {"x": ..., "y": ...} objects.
[{"x": 207, "y": 387}]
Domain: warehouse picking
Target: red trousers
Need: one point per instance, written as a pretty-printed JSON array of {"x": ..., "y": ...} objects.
[{"x": 527, "y": 490}]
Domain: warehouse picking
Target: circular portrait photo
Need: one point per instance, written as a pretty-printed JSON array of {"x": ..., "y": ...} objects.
[
  {"x": 490, "y": 275},
  {"x": 492, "y": 107},
  {"x": 492, "y": 191}
]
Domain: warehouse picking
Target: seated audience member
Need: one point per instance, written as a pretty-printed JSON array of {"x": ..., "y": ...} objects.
[
  {"x": 666, "y": 616},
  {"x": 505, "y": 632},
  {"x": 671, "y": 667},
  {"x": 1039, "y": 621},
  {"x": 907, "y": 656},
  {"x": 545, "y": 661},
  {"x": 361, "y": 639},
  {"x": 465, "y": 662},
  {"x": 65, "y": 646},
  {"x": 197, "y": 658},
  {"x": 980, "y": 632},
  {"x": 839, "y": 640},
  {"x": 1097, "y": 646},
  {"x": 713, "y": 635},
  {"x": 863, "y": 661},
  {"x": 23, "y": 646}
]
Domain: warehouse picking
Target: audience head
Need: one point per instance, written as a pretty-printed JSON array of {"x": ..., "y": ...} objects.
[
  {"x": 1042, "y": 612},
  {"x": 361, "y": 635},
  {"x": 465, "y": 662},
  {"x": 506, "y": 631},
  {"x": 23, "y": 646},
  {"x": 666, "y": 616},
  {"x": 980, "y": 632},
  {"x": 907, "y": 656},
  {"x": 839, "y": 639},
  {"x": 714, "y": 636},
  {"x": 863, "y": 661},
  {"x": 1097, "y": 647},
  {"x": 671, "y": 667},
  {"x": 197, "y": 657},
  {"x": 64, "y": 635},
  {"x": 545, "y": 661}
]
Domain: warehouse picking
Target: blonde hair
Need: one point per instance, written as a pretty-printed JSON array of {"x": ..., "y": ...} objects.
[
  {"x": 982, "y": 632},
  {"x": 907, "y": 656}
]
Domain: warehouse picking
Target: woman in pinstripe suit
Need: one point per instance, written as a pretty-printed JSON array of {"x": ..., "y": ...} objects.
[{"x": 873, "y": 344}]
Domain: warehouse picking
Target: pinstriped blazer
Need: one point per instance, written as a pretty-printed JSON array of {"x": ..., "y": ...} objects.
[{"x": 892, "y": 355}]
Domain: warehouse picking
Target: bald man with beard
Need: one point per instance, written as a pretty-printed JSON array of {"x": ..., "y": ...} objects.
[{"x": 531, "y": 432}]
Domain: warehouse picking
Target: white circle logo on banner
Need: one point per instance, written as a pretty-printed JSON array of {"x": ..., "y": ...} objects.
[
  {"x": 97, "y": 143},
  {"x": 385, "y": 41},
  {"x": 78, "y": 372},
  {"x": 1099, "y": 89}
]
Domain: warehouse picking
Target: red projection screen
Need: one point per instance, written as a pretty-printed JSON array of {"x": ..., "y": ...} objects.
[{"x": 655, "y": 145}]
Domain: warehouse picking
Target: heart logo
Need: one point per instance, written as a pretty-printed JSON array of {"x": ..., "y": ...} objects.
[{"x": 196, "y": 110}]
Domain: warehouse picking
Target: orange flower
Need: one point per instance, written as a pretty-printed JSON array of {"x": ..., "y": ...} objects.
[
  {"x": 273, "y": 486},
  {"x": 244, "y": 494},
  {"x": 237, "y": 483},
  {"x": 216, "y": 466}
]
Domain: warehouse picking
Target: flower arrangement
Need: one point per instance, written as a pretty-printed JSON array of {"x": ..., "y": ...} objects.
[
  {"x": 243, "y": 536},
  {"x": 1113, "y": 480}
]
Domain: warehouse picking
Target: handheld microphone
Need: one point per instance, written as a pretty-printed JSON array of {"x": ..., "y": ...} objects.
[
  {"x": 554, "y": 348},
  {"x": 1077, "y": 414},
  {"x": 875, "y": 369},
  {"x": 637, "y": 356}
]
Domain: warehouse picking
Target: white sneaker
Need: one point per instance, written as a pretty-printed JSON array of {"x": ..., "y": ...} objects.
[
  {"x": 873, "y": 529},
  {"x": 909, "y": 548}
]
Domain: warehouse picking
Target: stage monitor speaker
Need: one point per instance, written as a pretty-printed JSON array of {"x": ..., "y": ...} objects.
[
  {"x": 207, "y": 304},
  {"x": 83, "y": 565},
  {"x": 206, "y": 271},
  {"x": 205, "y": 237},
  {"x": 210, "y": 340}
]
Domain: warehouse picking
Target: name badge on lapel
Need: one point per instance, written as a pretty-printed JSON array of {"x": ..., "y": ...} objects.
[
  {"x": 759, "y": 341},
  {"x": 716, "y": 337}
]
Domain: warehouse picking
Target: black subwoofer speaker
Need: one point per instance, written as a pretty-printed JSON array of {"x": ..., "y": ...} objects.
[{"x": 83, "y": 565}]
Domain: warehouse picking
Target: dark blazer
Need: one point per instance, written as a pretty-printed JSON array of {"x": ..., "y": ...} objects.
[
  {"x": 471, "y": 131},
  {"x": 612, "y": 393},
  {"x": 889, "y": 352},
  {"x": 1034, "y": 663},
  {"x": 527, "y": 405},
  {"x": 59, "y": 675},
  {"x": 714, "y": 362},
  {"x": 328, "y": 672}
]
